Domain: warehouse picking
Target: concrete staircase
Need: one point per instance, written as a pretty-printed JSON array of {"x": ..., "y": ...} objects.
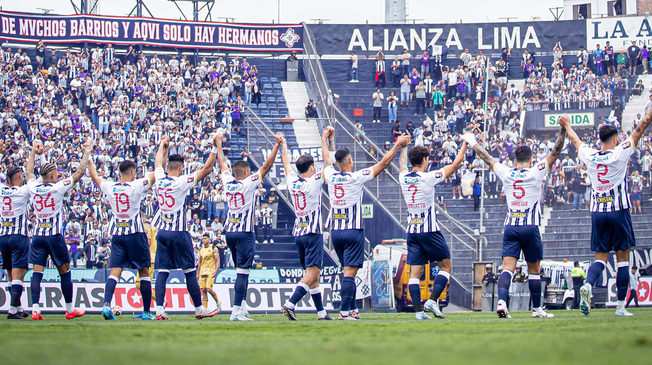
[
  {"x": 636, "y": 104},
  {"x": 296, "y": 98}
]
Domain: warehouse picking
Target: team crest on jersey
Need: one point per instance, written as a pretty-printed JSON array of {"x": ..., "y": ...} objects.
[
  {"x": 318, "y": 176},
  {"x": 66, "y": 182},
  {"x": 254, "y": 177},
  {"x": 541, "y": 166},
  {"x": 439, "y": 174},
  {"x": 190, "y": 179},
  {"x": 366, "y": 172},
  {"x": 145, "y": 182},
  {"x": 627, "y": 145}
]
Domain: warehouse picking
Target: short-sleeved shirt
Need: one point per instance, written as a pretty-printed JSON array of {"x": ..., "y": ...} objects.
[
  {"x": 125, "y": 202},
  {"x": 208, "y": 260},
  {"x": 47, "y": 200},
  {"x": 171, "y": 194},
  {"x": 608, "y": 175},
  {"x": 523, "y": 191},
  {"x": 240, "y": 195},
  {"x": 419, "y": 193},
  {"x": 14, "y": 216},
  {"x": 306, "y": 194},
  {"x": 345, "y": 190}
]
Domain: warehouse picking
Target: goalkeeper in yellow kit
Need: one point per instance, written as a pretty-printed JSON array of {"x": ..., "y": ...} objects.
[
  {"x": 150, "y": 232},
  {"x": 209, "y": 262}
]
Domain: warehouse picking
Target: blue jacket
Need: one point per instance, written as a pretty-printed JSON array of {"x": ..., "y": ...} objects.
[{"x": 477, "y": 188}]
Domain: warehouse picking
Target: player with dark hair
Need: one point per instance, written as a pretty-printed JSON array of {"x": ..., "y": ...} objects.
[
  {"x": 522, "y": 186},
  {"x": 14, "y": 240},
  {"x": 425, "y": 242},
  {"x": 306, "y": 192},
  {"x": 48, "y": 198},
  {"x": 345, "y": 189},
  {"x": 129, "y": 246},
  {"x": 174, "y": 245},
  {"x": 240, "y": 188},
  {"x": 612, "y": 223}
]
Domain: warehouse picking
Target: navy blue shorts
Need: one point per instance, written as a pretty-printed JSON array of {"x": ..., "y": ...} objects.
[
  {"x": 349, "y": 246},
  {"x": 130, "y": 251},
  {"x": 243, "y": 248},
  {"x": 523, "y": 238},
  {"x": 612, "y": 231},
  {"x": 53, "y": 246},
  {"x": 426, "y": 247},
  {"x": 15, "y": 251},
  {"x": 174, "y": 250},
  {"x": 311, "y": 250}
]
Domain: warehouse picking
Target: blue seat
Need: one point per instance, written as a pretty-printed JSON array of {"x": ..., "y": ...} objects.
[
  {"x": 273, "y": 79},
  {"x": 274, "y": 113},
  {"x": 271, "y": 99},
  {"x": 262, "y": 106},
  {"x": 267, "y": 86},
  {"x": 263, "y": 99},
  {"x": 288, "y": 127},
  {"x": 272, "y": 106},
  {"x": 278, "y": 86},
  {"x": 265, "y": 114},
  {"x": 278, "y": 92},
  {"x": 280, "y": 100},
  {"x": 282, "y": 106},
  {"x": 292, "y": 141},
  {"x": 264, "y": 79},
  {"x": 284, "y": 112},
  {"x": 268, "y": 92}
]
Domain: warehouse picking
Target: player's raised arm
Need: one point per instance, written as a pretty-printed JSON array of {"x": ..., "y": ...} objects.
[
  {"x": 559, "y": 146},
  {"x": 327, "y": 146},
  {"x": 641, "y": 128},
  {"x": 402, "y": 141},
  {"x": 402, "y": 160},
  {"x": 37, "y": 148},
  {"x": 210, "y": 162},
  {"x": 262, "y": 172},
  {"x": 450, "y": 169},
  {"x": 564, "y": 122},
  {"x": 87, "y": 147},
  {"x": 285, "y": 157},
  {"x": 94, "y": 175},
  {"x": 220, "y": 153},
  {"x": 162, "y": 153},
  {"x": 482, "y": 153}
]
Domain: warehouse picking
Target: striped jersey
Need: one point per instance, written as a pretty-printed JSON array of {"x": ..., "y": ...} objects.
[
  {"x": 523, "y": 189},
  {"x": 240, "y": 195},
  {"x": 125, "y": 202},
  {"x": 345, "y": 191},
  {"x": 47, "y": 200},
  {"x": 608, "y": 174},
  {"x": 14, "y": 210},
  {"x": 306, "y": 199},
  {"x": 171, "y": 194},
  {"x": 419, "y": 193}
]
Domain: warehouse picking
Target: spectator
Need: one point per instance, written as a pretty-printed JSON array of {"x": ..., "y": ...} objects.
[
  {"x": 633, "y": 55},
  {"x": 489, "y": 276},
  {"x": 397, "y": 72},
  {"x": 405, "y": 62},
  {"x": 634, "y": 282},
  {"x": 73, "y": 241},
  {"x": 396, "y": 131},
  {"x": 359, "y": 132},
  {"x": 377, "y": 103},
  {"x": 645, "y": 59},
  {"x": 354, "y": 67},
  {"x": 311, "y": 110},
  {"x": 266, "y": 217},
  {"x": 392, "y": 106},
  {"x": 420, "y": 91},
  {"x": 636, "y": 197},
  {"x": 380, "y": 70},
  {"x": 405, "y": 92},
  {"x": 477, "y": 191}
]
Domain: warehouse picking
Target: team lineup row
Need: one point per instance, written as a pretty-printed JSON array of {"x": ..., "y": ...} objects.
[{"x": 612, "y": 227}]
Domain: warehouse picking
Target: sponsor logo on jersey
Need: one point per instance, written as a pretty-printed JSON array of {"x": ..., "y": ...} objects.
[
  {"x": 303, "y": 224},
  {"x": 519, "y": 215},
  {"x": 42, "y": 189},
  {"x": 8, "y": 224},
  {"x": 123, "y": 224},
  {"x": 45, "y": 225},
  {"x": 234, "y": 220},
  {"x": 411, "y": 180},
  {"x": 605, "y": 199},
  {"x": 416, "y": 221},
  {"x": 340, "y": 216}
]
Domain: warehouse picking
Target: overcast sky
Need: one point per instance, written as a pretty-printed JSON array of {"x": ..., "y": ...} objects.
[{"x": 338, "y": 11}]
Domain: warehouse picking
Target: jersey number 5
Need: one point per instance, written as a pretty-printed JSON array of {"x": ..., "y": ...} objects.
[
  {"x": 338, "y": 191},
  {"x": 601, "y": 174},
  {"x": 518, "y": 188}
]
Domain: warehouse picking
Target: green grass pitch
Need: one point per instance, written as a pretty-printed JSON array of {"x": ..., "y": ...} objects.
[{"x": 379, "y": 338}]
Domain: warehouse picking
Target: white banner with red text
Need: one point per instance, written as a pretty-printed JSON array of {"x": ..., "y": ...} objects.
[{"x": 644, "y": 292}]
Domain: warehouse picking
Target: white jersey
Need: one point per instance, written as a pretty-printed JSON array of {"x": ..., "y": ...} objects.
[
  {"x": 608, "y": 174},
  {"x": 419, "y": 193},
  {"x": 306, "y": 198},
  {"x": 345, "y": 191},
  {"x": 171, "y": 193},
  {"x": 523, "y": 189},
  {"x": 47, "y": 200},
  {"x": 14, "y": 210},
  {"x": 240, "y": 195},
  {"x": 125, "y": 202}
]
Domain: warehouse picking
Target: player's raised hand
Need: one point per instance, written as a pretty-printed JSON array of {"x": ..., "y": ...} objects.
[
  {"x": 217, "y": 141},
  {"x": 564, "y": 121},
  {"x": 88, "y": 146},
  {"x": 37, "y": 147},
  {"x": 470, "y": 139},
  {"x": 403, "y": 140},
  {"x": 328, "y": 132},
  {"x": 2, "y": 147},
  {"x": 165, "y": 141},
  {"x": 278, "y": 137}
]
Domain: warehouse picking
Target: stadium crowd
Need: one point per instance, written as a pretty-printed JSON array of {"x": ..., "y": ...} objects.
[{"x": 125, "y": 104}]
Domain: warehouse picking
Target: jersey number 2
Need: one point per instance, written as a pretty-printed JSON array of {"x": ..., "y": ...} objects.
[{"x": 602, "y": 174}]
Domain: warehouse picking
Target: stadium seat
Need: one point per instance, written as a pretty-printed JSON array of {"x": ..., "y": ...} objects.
[
  {"x": 284, "y": 112},
  {"x": 267, "y": 86},
  {"x": 282, "y": 106},
  {"x": 263, "y": 99},
  {"x": 278, "y": 92},
  {"x": 273, "y": 79},
  {"x": 271, "y": 99},
  {"x": 264, "y": 79},
  {"x": 280, "y": 100},
  {"x": 262, "y": 106},
  {"x": 278, "y": 86},
  {"x": 268, "y": 92},
  {"x": 272, "y": 106},
  {"x": 274, "y": 113},
  {"x": 265, "y": 114},
  {"x": 288, "y": 127}
]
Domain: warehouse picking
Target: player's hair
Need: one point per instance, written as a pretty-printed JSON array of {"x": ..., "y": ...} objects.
[
  {"x": 523, "y": 154},
  {"x": 175, "y": 161},
  {"x": 126, "y": 165},
  {"x": 341, "y": 155},
  {"x": 304, "y": 162},
  {"x": 240, "y": 167},
  {"x": 417, "y": 154},
  {"x": 607, "y": 132},
  {"x": 47, "y": 168},
  {"x": 11, "y": 171}
]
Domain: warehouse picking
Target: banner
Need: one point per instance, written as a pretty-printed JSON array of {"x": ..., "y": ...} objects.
[
  {"x": 90, "y": 297},
  {"x": 619, "y": 31},
  {"x": 644, "y": 292},
  {"x": 488, "y": 37},
  {"x": 576, "y": 119},
  {"x": 277, "y": 171},
  {"x": 151, "y": 32}
]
